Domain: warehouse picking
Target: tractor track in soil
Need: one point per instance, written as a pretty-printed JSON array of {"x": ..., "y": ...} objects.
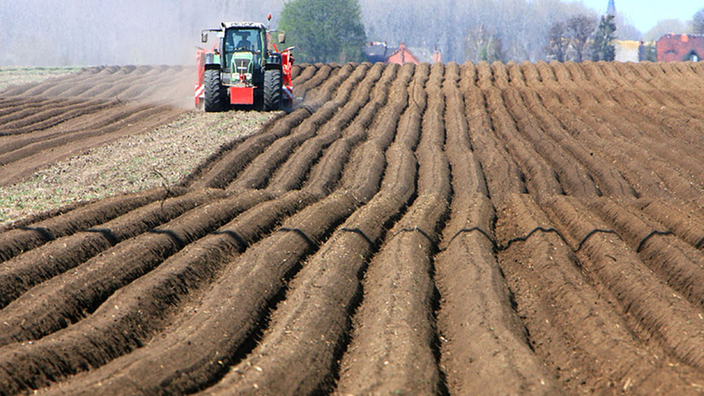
[{"x": 445, "y": 229}]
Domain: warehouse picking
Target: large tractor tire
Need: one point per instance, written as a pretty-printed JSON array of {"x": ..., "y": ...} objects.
[
  {"x": 273, "y": 95},
  {"x": 215, "y": 92}
]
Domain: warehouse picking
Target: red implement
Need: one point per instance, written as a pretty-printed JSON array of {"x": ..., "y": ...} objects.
[{"x": 241, "y": 95}]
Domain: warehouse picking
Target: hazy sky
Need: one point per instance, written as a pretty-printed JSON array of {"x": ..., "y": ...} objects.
[{"x": 644, "y": 14}]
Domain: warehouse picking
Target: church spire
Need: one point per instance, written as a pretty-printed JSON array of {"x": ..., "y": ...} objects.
[{"x": 611, "y": 9}]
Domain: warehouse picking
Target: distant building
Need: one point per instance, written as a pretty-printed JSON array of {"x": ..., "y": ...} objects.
[
  {"x": 611, "y": 8},
  {"x": 627, "y": 50},
  {"x": 680, "y": 47},
  {"x": 402, "y": 55},
  {"x": 379, "y": 51}
]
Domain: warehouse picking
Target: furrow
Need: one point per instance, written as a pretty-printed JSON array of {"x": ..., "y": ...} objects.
[
  {"x": 627, "y": 129},
  {"x": 38, "y": 114},
  {"x": 10, "y": 106},
  {"x": 538, "y": 175},
  {"x": 259, "y": 171},
  {"x": 650, "y": 307},
  {"x": 69, "y": 297},
  {"x": 682, "y": 219},
  {"x": 572, "y": 325},
  {"x": 27, "y": 236},
  {"x": 307, "y": 72},
  {"x": 497, "y": 163},
  {"x": 294, "y": 172},
  {"x": 109, "y": 333},
  {"x": 135, "y": 313},
  {"x": 322, "y": 295},
  {"x": 669, "y": 257},
  {"x": 392, "y": 348},
  {"x": 30, "y": 146},
  {"x": 573, "y": 177},
  {"x": 653, "y": 113},
  {"x": 483, "y": 344},
  {"x": 263, "y": 267},
  {"x": 60, "y": 255},
  {"x": 609, "y": 181},
  {"x": 235, "y": 161},
  {"x": 587, "y": 126},
  {"x": 302, "y": 89}
]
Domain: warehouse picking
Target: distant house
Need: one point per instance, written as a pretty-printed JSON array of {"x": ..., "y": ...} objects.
[
  {"x": 402, "y": 55},
  {"x": 380, "y": 52},
  {"x": 680, "y": 47}
]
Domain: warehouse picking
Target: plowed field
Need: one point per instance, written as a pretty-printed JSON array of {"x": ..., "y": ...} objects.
[
  {"x": 41, "y": 123},
  {"x": 462, "y": 229}
]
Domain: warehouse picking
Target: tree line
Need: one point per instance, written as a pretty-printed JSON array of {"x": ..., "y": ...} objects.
[
  {"x": 505, "y": 30},
  {"x": 579, "y": 38},
  {"x": 494, "y": 30},
  {"x": 86, "y": 32}
]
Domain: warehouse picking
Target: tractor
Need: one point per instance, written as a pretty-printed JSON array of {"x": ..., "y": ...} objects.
[{"x": 245, "y": 69}]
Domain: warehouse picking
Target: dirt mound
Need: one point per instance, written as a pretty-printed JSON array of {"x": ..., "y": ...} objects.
[{"x": 477, "y": 228}]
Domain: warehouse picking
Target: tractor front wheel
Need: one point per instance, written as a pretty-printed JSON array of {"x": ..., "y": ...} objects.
[
  {"x": 215, "y": 92},
  {"x": 273, "y": 95}
]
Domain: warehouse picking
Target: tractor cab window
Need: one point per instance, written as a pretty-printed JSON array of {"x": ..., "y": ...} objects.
[
  {"x": 239, "y": 40},
  {"x": 242, "y": 43}
]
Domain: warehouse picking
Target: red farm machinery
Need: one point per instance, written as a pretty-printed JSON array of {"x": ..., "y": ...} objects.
[{"x": 244, "y": 68}]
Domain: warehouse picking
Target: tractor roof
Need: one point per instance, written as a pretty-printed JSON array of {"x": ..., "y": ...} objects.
[{"x": 254, "y": 25}]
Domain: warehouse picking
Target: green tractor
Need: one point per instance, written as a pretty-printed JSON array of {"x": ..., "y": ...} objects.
[{"x": 244, "y": 69}]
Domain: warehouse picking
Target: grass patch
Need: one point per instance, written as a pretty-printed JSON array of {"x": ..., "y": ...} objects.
[{"x": 134, "y": 163}]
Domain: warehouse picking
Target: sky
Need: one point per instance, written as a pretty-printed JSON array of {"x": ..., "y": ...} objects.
[{"x": 644, "y": 14}]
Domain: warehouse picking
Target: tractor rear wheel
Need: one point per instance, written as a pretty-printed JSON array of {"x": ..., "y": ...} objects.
[
  {"x": 215, "y": 92},
  {"x": 273, "y": 96}
]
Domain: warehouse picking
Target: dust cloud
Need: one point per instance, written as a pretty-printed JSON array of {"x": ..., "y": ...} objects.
[{"x": 115, "y": 32}]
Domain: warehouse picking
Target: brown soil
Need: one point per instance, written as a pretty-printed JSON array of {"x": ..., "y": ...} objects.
[
  {"x": 461, "y": 229},
  {"x": 103, "y": 146}
]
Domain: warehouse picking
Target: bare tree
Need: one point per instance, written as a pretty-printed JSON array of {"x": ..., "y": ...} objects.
[
  {"x": 626, "y": 31},
  {"x": 483, "y": 44},
  {"x": 521, "y": 25},
  {"x": 40, "y": 32},
  {"x": 579, "y": 29},
  {"x": 698, "y": 22},
  {"x": 663, "y": 27},
  {"x": 556, "y": 44}
]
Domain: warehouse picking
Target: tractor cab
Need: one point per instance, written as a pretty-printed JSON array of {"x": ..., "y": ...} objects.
[
  {"x": 243, "y": 50},
  {"x": 243, "y": 68}
]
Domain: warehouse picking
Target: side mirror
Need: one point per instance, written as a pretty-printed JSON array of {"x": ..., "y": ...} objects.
[
  {"x": 282, "y": 38},
  {"x": 203, "y": 37}
]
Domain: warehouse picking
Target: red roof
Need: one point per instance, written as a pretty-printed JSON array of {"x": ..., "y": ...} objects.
[
  {"x": 680, "y": 47},
  {"x": 402, "y": 55}
]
